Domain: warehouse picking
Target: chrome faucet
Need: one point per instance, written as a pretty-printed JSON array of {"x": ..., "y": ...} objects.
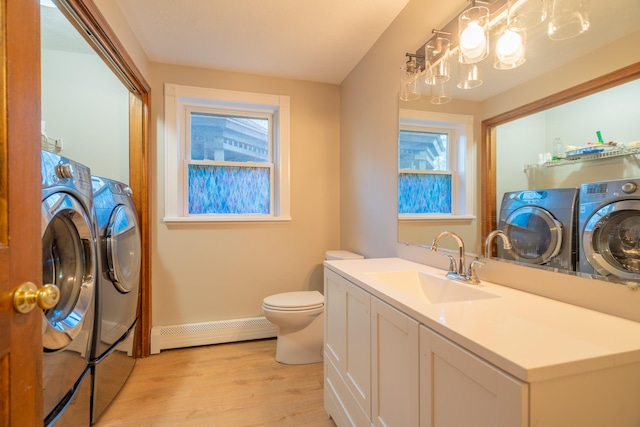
[
  {"x": 489, "y": 241},
  {"x": 459, "y": 272}
]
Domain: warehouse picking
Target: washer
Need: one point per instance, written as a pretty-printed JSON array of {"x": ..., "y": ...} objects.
[
  {"x": 117, "y": 292},
  {"x": 69, "y": 262},
  {"x": 540, "y": 225},
  {"x": 609, "y": 220}
]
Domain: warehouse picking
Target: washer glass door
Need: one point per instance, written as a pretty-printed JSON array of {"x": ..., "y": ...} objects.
[
  {"x": 535, "y": 235},
  {"x": 68, "y": 261},
  {"x": 124, "y": 249},
  {"x": 611, "y": 239}
]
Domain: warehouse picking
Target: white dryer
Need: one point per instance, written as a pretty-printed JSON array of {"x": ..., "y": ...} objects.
[
  {"x": 117, "y": 290},
  {"x": 609, "y": 220},
  {"x": 69, "y": 262}
]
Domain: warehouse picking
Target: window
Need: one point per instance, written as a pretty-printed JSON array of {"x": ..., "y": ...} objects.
[
  {"x": 435, "y": 165},
  {"x": 227, "y": 155}
]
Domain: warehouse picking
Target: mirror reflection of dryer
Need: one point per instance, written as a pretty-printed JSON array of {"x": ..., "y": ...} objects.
[
  {"x": 540, "y": 225},
  {"x": 609, "y": 220},
  {"x": 117, "y": 290},
  {"x": 69, "y": 262}
]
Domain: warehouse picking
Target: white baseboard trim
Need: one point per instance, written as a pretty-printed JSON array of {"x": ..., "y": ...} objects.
[{"x": 220, "y": 331}]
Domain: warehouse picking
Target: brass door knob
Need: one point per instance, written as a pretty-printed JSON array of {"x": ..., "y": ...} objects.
[{"x": 27, "y": 296}]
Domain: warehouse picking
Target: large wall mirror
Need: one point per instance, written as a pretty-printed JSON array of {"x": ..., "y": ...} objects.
[{"x": 551, "y": 142}]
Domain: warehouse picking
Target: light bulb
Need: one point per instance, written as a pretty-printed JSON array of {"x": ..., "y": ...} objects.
[
  {"x": 510, "y": 49},
  {"x": 508, "y": 43},
  {"x": 472, "y": 38}
]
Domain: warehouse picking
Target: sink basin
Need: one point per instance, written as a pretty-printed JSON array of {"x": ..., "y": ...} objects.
[{"x": 429, "y": 287}]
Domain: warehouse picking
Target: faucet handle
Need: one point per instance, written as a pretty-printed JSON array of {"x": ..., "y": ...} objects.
[
  {"x": 473, "y": 275},
  {"x": 452, "y": 263}
]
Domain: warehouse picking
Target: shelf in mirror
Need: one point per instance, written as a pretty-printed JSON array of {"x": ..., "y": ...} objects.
[{"x": 585, "y": 158}]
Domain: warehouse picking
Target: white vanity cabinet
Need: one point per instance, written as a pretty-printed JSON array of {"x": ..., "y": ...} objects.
[
  {"x": 516, "y": 360},
  {"x": 395, "y": 365},
  {"x": 459, "y": 389},
  {"x": 347, "y": 351},
  {"x": 371, "y": 359}
]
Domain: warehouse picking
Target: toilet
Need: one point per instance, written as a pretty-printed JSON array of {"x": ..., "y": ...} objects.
[{"x": 300, "y": 320}]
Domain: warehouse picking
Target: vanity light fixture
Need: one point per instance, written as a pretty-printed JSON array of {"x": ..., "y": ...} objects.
[{"x": 468, "y": 34}]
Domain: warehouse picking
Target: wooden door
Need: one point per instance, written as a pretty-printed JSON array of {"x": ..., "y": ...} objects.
[{"x": 20, "y": 241}]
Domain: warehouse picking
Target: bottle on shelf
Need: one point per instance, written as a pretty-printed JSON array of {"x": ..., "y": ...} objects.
[{"x": 557, "y": 149}]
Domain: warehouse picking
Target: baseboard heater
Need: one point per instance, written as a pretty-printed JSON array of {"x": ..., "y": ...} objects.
[{"x": 217, "y": 332}]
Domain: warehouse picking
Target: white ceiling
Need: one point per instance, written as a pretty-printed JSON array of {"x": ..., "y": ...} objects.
[
  {"x": 314, "y": 41},
  {"x": 319, "y": 41}
]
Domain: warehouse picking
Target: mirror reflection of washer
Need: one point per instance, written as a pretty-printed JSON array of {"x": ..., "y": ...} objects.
[
  {"x": 69, "y": 262},
  {"x": 540, "y": 225},
  {"x": 609, "y": 218},
  {"x": 117, "y": 290}
]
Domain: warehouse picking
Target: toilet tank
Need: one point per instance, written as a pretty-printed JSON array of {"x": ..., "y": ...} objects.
[{"x": 329, "y": 255}]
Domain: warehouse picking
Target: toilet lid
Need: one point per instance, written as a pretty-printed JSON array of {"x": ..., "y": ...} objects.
[{"x": 303, "y": 300}]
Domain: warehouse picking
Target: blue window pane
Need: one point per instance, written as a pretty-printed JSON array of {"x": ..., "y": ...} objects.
[
  {"x": 228, "y": 190},
  {"x": 229, "y": 138},
  {"x": 424, "y": 193},
  {"x": 423, "y": 150}
]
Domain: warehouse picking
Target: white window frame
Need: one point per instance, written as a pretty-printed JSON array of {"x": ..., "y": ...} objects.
[
  {"x": 179, "y": 102},
  {"x": 461, "y": 159}
]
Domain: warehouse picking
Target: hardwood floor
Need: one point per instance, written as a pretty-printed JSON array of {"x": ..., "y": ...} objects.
[{"x": 230, "y": 385}]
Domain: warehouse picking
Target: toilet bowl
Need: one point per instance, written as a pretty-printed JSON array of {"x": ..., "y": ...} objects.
[{"x": 300, "y": 320}]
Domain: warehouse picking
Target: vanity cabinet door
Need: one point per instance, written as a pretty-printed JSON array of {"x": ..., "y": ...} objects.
[
  {"x": 348, "y": 339},
  {"x": 395, "y": 363},
  {"x": 459, "y": 389}
]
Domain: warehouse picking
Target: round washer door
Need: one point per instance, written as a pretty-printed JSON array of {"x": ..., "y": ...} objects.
[
  {"x": 535, "y": 235},
  {"x": 124, "y": 255},
  {"x": 611, "y": 239},
  {"x": 69, "y": 262}
]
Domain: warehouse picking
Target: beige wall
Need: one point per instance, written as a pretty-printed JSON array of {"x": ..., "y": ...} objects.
[{"x": 223, "y": 271}]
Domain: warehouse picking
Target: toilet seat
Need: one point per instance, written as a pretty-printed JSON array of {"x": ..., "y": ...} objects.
[{"x": 294, "y": 301}]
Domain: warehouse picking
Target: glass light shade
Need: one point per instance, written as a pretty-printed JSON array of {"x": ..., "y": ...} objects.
[
  {"x": 510, "y": 49},
  {"x": 441, "y": 91},
  {"x": 409, "y": 84},
  {"x": 469, "y": 76},
  {"x": 427, "y": 75},
  {"x": 437, "y": 52},
  {"x": 530, "y": 12},
  {"x": 473, "y": 34},
  {"x": 568, "y": 19}
]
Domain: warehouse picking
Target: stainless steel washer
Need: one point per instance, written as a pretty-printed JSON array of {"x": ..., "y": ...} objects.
[
  {"x": 69, "y": 262},
  {"x": 609, "y": 220},
  {"x": 117, "y": 291},
  {"x": 540, "y": 225}
]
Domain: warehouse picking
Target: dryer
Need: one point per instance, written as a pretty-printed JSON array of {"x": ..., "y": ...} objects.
[
  {"x": 540, "y": 225},
  {"x": 609, "y": 221},
  {"x": 117, "y": 290},
  {"x": 69, "y": 262}
]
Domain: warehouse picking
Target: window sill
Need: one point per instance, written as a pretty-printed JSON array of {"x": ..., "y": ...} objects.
[
  {"x": 435, "y": 217},
  {"x": 223, "y": 219}
]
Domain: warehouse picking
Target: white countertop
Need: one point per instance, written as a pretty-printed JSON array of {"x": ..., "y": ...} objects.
[{"x": 531, "y": 337}]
